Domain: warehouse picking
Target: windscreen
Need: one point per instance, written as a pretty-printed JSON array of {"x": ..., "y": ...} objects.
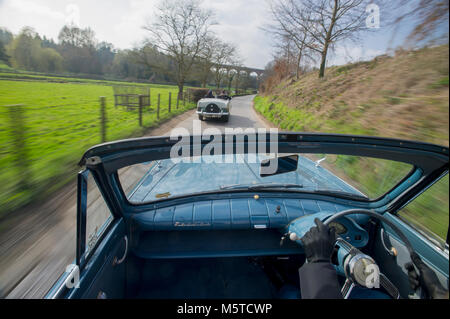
[{"x": 328, "y": 173}]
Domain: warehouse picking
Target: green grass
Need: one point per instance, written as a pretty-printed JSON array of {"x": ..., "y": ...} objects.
[
  {"x": 4, "y": 66},
  {"x": 300, "y": 120},
  {"x": 441, "y": 82},
  {"x": 62, "y": 120},
  {"x": 429, "y": 211},
  {"x": 25, "y": 76},
  {"x": 370, "y": 176}
]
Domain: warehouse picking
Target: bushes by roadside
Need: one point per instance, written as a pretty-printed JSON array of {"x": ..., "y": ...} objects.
[{"x": 196, "y": 94}]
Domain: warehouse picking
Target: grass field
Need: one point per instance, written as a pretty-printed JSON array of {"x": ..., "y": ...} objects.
[
  {"x": 61, "y": 120},
  {"x": 12, "y": 74},
  {"x": 405, "y": 96}
]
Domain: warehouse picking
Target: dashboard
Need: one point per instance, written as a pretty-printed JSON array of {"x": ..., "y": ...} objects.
[{"x": 246, "y": 226}]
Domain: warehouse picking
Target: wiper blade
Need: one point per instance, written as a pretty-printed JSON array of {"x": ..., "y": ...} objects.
[
  {"x": 293, "y": 186},
  {"x": 340, "y": 193},
  {"x": 261, "y": 186}
]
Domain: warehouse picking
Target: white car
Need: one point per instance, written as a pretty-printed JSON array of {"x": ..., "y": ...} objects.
[{"x": 214, "y": 108}]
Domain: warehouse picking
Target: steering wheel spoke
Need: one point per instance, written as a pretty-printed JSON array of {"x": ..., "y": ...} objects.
[
  {"x": 389, "y": 287},
  {"x": 347, "y": 288}
]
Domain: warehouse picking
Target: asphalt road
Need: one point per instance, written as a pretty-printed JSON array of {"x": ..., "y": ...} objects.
[
  {"x": 242, "y": 115},
  {"x": 38, "y": 243}
]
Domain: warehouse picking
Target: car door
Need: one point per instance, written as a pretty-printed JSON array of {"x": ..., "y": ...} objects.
[
  {"x": 101, "y": 248},
  {"x": 424, "y": 220}
]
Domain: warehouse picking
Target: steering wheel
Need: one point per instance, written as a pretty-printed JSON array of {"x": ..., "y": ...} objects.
[{"x": 356, "y": 263}]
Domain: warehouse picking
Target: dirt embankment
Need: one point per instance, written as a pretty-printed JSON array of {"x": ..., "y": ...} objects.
[{"x": 402, "y": 96}]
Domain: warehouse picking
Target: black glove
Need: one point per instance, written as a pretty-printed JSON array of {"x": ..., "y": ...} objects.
[
  {"x": 319, "y": 242},
  {"x": 427, "y": 279}
]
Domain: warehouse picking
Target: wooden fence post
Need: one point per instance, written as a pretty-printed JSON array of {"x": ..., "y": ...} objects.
[
  {"x": 18, "y": 130},
  {"x": 149, "y": 98},
  {"x": 103, "y": 118},
  {"x": 170, "y": 100},
  {"x": 159, "y": 102},
  {"x": 184, "y": 99},
  {"x": 178, "y": 100},
  {"x": 141, "y": 100}
]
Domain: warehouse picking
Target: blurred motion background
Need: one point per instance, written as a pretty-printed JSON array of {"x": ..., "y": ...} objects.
[{"x": 58, "y": 97}]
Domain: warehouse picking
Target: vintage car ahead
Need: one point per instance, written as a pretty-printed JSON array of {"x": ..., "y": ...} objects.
[
  {"x": 218, "y": 108},
  {"x": 227, "y": 224}
]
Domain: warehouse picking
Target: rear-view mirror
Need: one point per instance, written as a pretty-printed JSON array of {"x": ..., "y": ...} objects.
[{"x": 278, "y": 165}]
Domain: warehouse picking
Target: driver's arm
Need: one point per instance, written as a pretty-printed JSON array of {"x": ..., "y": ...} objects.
[{"x": 318, "y": 278}]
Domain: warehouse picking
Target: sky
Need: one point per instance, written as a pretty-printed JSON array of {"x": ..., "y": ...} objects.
[{"x": 120, "y": 22}]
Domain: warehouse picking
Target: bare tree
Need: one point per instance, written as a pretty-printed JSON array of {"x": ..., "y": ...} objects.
[
  {"x": 205, "y": 60},
  {"x": 223, "y": 55},
  {"x": 327, "y": 22},
  {"x": 427, "y": 16},
  {"x": 77, "y": 37},
  {"x": 239, "y": 79},
  {"x": 293, "y": 38},
  {"x": 153, "y": 60},
  {"x": 233, "y": 72},
  {"x": 179, "y": 30}
]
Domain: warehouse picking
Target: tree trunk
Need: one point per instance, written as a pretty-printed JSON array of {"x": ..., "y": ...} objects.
[
  {"x": 328, "y": 40},
  {"x": 204, "y": 78},
  {"x": 218, "y": 80},
  {"x": 180, "y": 90},
  {"x": 323, "y": 62},
  {"x": 298, "y": 65}
]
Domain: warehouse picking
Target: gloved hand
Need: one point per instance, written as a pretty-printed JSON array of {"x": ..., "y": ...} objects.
[
  {"x": 318, "y": 242},
  {"x": 427, "y": 279}
]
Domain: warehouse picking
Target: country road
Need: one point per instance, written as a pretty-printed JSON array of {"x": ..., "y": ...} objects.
[{"x": 36, "y": 245}]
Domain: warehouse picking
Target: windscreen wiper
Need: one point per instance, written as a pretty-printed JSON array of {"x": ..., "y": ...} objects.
[
  {"x": 293, "y": 186},
  {"x": 342, "y": 194},
  {"x": 262, "y": 186}
]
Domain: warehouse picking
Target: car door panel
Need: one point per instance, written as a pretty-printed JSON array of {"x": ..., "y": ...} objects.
[
  {"x": 101, "y": 277},
  {"x": 394, "y": 266},
  {"x": 108, "y": 279}
]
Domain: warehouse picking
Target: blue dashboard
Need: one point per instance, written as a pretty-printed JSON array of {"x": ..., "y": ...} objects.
[{"x": 245, "y": 226}]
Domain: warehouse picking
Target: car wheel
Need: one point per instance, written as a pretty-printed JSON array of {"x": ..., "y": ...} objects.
[
  {"x": 200, "y": 117},
  {"x": 225, "y": 118}
]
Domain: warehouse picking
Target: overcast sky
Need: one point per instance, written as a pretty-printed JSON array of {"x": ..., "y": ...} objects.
[{"x": 120, "y": 22}]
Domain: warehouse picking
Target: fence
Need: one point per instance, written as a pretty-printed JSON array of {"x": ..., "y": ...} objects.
[
  {"x": 39, "y": 143},
  {"x": 131, "y": 96}
]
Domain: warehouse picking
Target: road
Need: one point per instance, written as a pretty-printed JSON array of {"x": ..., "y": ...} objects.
[
  {"x": 37, "y": 244},
  {"x": 242, "y": 115}
]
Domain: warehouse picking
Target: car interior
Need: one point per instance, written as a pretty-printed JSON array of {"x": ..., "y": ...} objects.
[{"x": 234, "y": 261}]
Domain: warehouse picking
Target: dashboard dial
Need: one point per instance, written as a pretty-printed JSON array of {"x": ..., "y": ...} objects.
[{"x": 340, "y": 229}]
